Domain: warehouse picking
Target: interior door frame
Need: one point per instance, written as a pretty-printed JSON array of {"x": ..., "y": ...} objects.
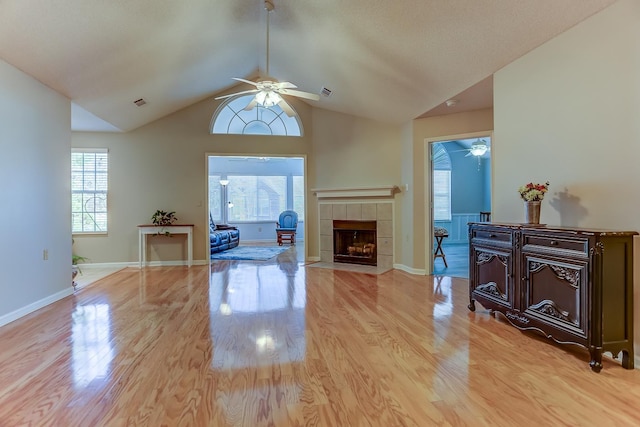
[{"x": 428, "y": 188}]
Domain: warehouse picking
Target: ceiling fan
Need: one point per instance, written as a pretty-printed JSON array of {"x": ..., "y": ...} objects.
[
  {"x": 269, "y": 92},
  {"x": 478, "y": 148}
]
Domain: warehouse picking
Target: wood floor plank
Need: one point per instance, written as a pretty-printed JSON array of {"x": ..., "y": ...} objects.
[{"x": 276, "y": 343}]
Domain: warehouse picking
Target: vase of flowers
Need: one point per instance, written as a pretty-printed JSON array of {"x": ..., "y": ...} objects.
[{"x": 532, "y": 194}]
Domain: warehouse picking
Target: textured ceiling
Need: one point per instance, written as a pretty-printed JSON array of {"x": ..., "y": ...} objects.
[{"x": 386, "y": 60}]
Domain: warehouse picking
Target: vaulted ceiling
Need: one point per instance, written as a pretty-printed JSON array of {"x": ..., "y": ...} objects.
[{"x": 392, "y": 60}]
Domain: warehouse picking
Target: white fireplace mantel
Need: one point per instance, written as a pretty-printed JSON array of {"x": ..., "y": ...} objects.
[{"x": 385, "y": 191}]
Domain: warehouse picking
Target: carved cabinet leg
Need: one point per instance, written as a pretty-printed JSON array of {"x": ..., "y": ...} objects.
[
  {"x": 596, "y": 359},
  {"x": 472, "y": 305},
  {"x": 627, "y": 360}
]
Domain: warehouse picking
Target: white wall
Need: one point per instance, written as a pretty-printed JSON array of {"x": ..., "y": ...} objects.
[
  {"x": 568, "y": 112},
  {"x": 35, "y": 146}
]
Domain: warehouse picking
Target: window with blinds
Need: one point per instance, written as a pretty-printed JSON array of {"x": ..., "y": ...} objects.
[
  {"x": 441, "y": 183},
  {"x": 256, "y": 198},
  {"x": 215, "y": 198},
  {"x": 89, "y": 184}
]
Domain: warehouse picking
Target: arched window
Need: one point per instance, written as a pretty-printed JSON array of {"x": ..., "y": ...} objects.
[
  {"x": 441, "y": 159},
  {"x": 441, "y": 183},
  {"x": 232, "y": 118}
]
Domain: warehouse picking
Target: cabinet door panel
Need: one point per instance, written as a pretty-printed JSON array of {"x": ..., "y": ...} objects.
[
  {"x": 556, "y": 293},
  {"x": 492, "y": 271}
]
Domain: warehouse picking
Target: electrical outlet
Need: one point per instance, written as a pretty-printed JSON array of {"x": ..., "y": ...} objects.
[{"x": 45, "y": 254}]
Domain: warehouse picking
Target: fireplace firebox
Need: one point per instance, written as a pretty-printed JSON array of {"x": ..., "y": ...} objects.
[{"x": 354, "y": 242}]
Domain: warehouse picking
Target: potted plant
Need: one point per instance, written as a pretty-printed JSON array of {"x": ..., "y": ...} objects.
[
  {"x": 75, "y": 269},
  {"x": 163, "y": 218}
]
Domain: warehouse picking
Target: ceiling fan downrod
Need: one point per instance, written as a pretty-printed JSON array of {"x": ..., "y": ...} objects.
[{"x": 269, "y": 7}]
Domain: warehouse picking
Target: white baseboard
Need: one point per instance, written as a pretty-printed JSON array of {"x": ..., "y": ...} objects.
[
  {"x": 15, "y": 315},
  {"x": 313, "y": 259},
  {"x": 410, "y": 270},
  {"x": 89, "y": 266}
]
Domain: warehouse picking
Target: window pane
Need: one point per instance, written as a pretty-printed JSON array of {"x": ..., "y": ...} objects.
[
  {"x": 257, "y": 198},
  {"x": 441, "y": 195},
  {"x": 89, "y": 185},
  {"x": 232, "y": 118},
  {"x": 298, "y": 196},
  {"x": 215, "y": 198}
]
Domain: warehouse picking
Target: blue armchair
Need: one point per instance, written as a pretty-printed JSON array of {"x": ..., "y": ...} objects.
[{"x": 286, "y": 227}]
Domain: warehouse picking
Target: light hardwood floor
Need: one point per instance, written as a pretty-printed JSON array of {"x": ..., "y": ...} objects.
[{"x": 275, "y": 343}]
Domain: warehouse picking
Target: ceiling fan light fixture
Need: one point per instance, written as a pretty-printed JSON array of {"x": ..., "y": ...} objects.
[
  {"x": 268, "y": 98},
  {"x": 478, "y": 148}
]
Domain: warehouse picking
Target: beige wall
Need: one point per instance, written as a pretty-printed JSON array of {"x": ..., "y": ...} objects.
[
  {"x": 35, "y": 188},
  {"x": 349, "y": 151},
  {"x": 568, "y": 113},
  {"x": 163, "y": 166},
  {"x": 415, "y": 239}
]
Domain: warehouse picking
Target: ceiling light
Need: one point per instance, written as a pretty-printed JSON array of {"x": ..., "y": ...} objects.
[
  {"x": 478, "y": 148},
  {"x": 224, "y": 182},
  {"x": 451, "y": 102},
  {"x": 225, "y": 309},
  {"x": 268, "y": 98}
]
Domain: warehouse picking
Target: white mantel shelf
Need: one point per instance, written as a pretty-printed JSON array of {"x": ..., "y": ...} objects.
[{"x": 386, "y": 191}]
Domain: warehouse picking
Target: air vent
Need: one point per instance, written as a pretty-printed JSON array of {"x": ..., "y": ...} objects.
[
  {"x": 326, "y": 92},
  {"x": 140, "y": 102}
]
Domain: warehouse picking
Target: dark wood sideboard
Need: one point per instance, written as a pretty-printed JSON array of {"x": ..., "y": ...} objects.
[{"x": 573, "y": 285}]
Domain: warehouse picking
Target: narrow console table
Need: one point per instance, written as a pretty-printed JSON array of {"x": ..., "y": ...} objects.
[
  {"x": 145, "y": 230},
  {"x": 573, "y": 285}
]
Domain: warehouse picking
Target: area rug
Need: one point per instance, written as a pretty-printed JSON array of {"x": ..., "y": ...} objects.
[{"x": 254, "y": 253}]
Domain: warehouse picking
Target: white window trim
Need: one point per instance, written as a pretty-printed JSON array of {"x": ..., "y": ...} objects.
[{"x": 94, "y": 150}]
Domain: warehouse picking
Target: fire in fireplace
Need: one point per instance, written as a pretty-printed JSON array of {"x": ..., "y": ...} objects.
[{"x": 354, "y": 242}]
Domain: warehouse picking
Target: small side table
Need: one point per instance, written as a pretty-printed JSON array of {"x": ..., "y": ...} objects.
[
  {"x": 440, "y": 233},
  {"x": 145, "y": 230}
]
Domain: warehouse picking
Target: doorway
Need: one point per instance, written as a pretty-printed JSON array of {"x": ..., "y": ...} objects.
[
  {"x": 460, "y": 192},
  {"x": 250, "y": 192}
]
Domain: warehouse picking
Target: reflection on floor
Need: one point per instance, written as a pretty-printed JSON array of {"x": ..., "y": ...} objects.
[
  {"x": 90, "y": 274},
  {"x": 371, "y": 269},
  {"x": 457, "y": 259}
]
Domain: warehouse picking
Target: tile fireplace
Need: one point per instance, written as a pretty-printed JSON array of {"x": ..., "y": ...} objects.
[{"x": 379, "y": 213}]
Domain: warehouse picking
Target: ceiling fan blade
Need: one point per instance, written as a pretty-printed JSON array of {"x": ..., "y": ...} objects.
[
  {"x": 245, "y": 81},
  {"x": 286, "y": 108},
  {"x": 251, "y": 105},
  {"x": 286, "y": 85},
  {"x": 468, "y": 154},
  {"x": 237, "y": 93},
  {"x": 300, "y": 94}
]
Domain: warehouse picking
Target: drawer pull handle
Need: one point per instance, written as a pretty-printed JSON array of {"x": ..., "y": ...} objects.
[
  {"x": 492, "y": 235},
  {"x": 554, "y": 243}
]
